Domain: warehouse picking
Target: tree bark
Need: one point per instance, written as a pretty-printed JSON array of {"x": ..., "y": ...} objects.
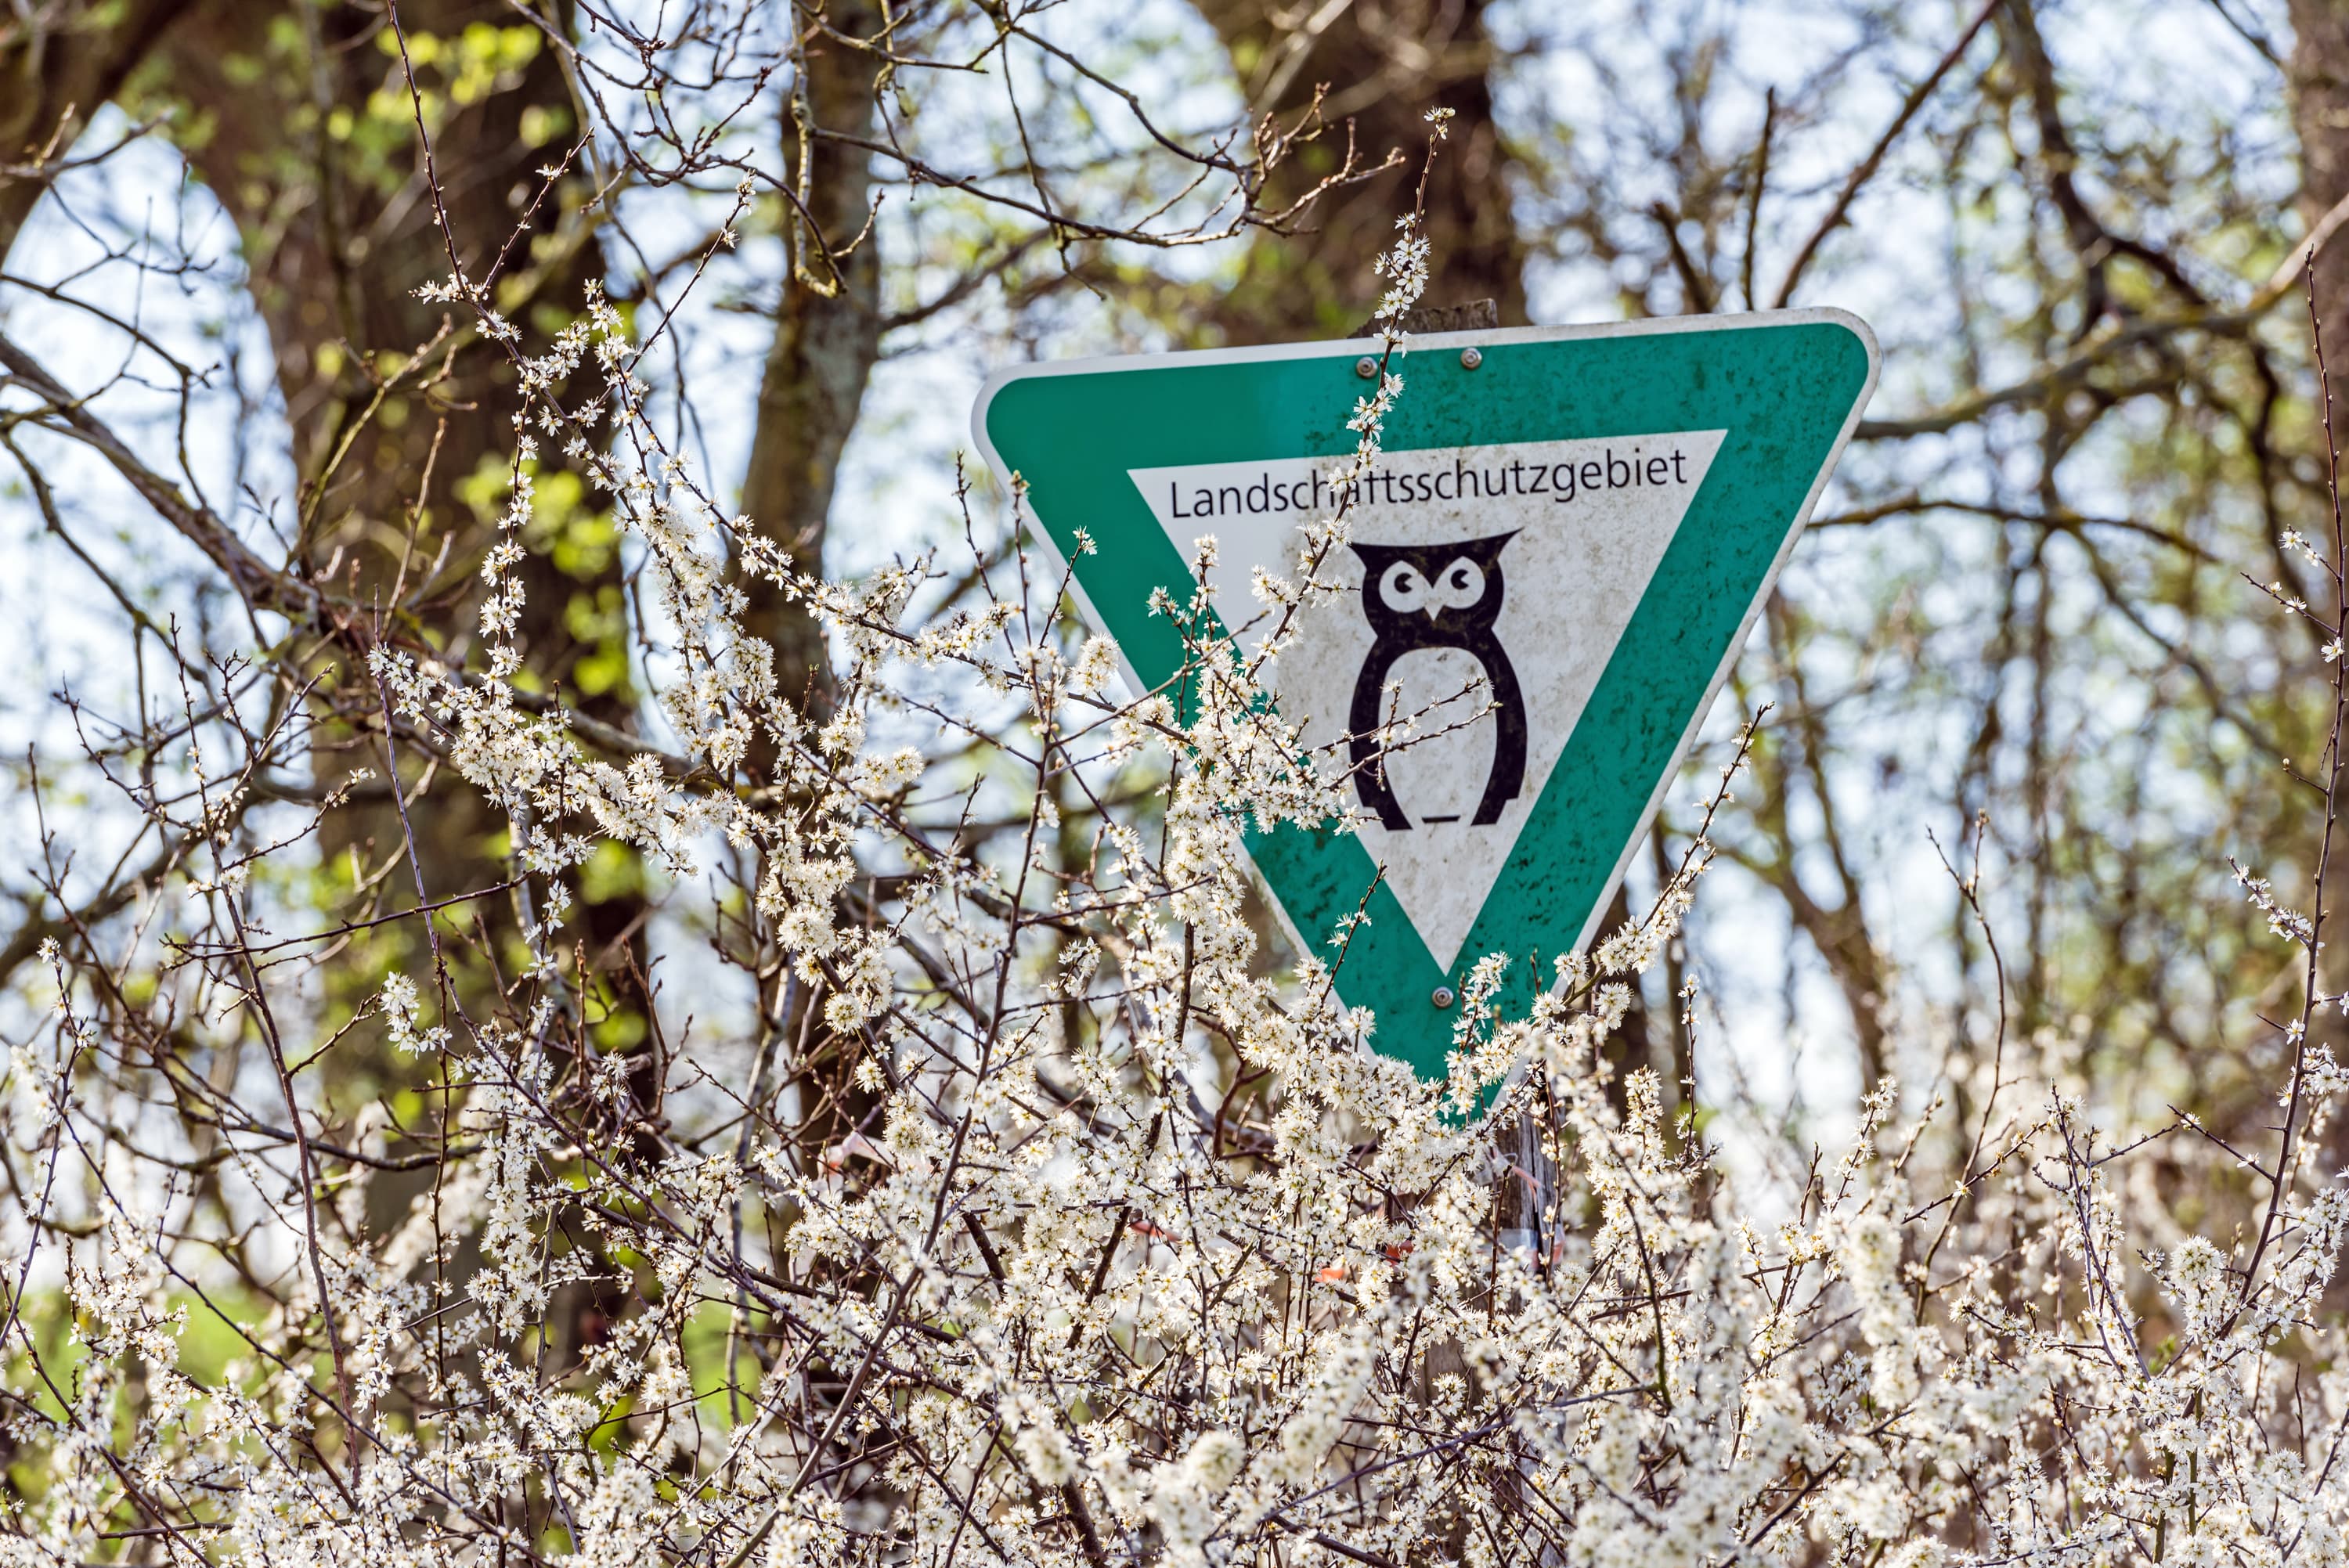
[
  {"x": 2319, "y": 73},
  {"x": 827, "y": 333},
  {"x": 827, "y": 340},
  {"x": 2319, "y": 112},
  {"x": 1385, "y": 63}
]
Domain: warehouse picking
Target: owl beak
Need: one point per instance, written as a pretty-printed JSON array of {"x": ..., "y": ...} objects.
[{"x": 1433, "y": 611}]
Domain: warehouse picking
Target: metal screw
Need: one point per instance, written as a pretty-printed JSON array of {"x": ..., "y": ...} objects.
[
  {"x": 1366, "y": 367},
  {"x": 1470, "y": 357},
  {"x": 1443, "y": 997}
]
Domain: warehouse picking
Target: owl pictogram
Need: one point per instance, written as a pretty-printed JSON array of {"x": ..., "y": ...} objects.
[{"x": 1435, "y": 596}]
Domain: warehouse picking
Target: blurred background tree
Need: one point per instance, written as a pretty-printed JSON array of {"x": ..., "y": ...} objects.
[{"x": 2020, "y": 634}]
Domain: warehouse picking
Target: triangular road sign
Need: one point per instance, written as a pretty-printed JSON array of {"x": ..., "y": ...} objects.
[{"x": 1576, "y": 523}]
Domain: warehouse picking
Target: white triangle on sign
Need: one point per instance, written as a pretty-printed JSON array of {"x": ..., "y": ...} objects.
[{"x": 1585, "y": 523}]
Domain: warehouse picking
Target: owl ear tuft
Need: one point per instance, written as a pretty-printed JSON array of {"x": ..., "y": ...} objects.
[{"x": 1487, "y": 551}]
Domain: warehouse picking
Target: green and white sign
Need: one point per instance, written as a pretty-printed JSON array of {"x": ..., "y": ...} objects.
[{"x": 1577, "y": 524}]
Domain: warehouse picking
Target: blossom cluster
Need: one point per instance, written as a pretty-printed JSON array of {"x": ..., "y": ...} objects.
[{"x": 1059, "y": 1219}]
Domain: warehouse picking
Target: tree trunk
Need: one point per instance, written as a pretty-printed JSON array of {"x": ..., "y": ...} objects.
[
  {"x": 827, "y": 339},
  {"x": 310, "y": 147},
  {"x": 827, "y": 335},
  {"x": 2319, "y": 68},
  {"x": 299, "y": 120},
  {"x": 1385, "y": 65},
  {"x": 2320, "y": 80}
]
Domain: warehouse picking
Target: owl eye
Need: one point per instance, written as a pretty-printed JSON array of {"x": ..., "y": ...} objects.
[
  {"x": 1460, "y": 584},
  {"x": 1401, "y": 587}
]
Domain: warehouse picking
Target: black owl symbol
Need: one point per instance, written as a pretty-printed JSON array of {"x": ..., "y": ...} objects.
[{"x": 1436, "y": 596}]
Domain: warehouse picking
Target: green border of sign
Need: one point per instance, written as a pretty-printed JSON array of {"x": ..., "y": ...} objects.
[{"x": 1787, "y": 385}]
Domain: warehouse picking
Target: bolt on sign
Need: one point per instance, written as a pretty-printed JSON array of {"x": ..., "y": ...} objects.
[{"x": 1569, "y": 533}]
